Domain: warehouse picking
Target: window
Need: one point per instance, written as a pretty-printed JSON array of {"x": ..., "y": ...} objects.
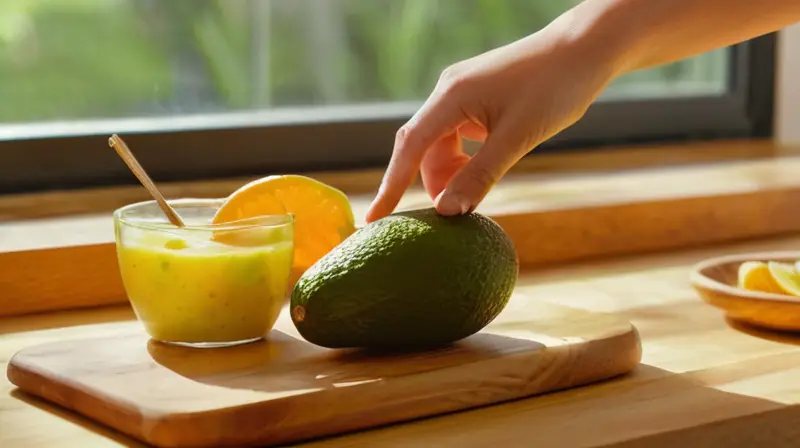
[{"x": 205, "y": 88}]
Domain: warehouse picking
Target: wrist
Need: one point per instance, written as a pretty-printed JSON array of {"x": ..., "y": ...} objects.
[{"x": 603, "y": 33}]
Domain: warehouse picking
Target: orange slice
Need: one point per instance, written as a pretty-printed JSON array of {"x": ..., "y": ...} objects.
[
  {"x": 323, "y": 217},
  {"x": 756, "y": 276},
  {"x": 786, "y": 277}
]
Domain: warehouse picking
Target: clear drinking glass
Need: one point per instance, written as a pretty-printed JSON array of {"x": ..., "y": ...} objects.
[{"x": 203, "y": 285}]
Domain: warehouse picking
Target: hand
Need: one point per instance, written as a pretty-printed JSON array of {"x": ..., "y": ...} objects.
[{"x": 512, "y": 99}]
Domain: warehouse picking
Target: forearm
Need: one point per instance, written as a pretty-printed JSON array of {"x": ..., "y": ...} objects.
[{"x": 644, "y": 33}]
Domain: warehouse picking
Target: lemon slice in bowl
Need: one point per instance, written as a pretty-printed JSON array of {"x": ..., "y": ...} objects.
[
  {"x": 786, "y": 277},
  {"x": 323, "y": 216},
  {"x": 756, "y": 276}
]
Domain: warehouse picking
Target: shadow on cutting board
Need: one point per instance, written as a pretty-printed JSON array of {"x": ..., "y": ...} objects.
[
  {"x": 647, "y": 408},
  {"x": 284, "y": 363}
]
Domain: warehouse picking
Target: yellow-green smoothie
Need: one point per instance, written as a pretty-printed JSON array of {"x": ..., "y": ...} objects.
[{"x": 190, "y": 289}]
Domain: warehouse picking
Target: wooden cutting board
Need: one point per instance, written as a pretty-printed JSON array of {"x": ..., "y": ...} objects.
[{"x": 287, "y": 390}]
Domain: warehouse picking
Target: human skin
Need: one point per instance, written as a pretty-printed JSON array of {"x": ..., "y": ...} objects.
[{"x": 517, "y": 96}]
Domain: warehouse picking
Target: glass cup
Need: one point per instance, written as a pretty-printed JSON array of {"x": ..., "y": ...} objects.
[{"x": 203, "y": 285}]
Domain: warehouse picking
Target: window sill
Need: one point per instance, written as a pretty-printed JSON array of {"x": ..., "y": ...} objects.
[{"x": 556, "y": 208}]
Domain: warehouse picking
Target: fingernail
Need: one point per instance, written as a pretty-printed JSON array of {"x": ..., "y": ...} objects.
[{"x": 451, "y": 204}]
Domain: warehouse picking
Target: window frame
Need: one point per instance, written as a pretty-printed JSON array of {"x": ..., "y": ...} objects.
[
  {"x": 47, "y": 156},
  {"x": 787, "y": 90}
]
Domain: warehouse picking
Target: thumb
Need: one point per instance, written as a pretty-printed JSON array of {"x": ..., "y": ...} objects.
[{"x": 470, "y": 185}]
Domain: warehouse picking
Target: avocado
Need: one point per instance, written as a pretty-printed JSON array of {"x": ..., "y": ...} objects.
[{"x": 414, "y": 279}]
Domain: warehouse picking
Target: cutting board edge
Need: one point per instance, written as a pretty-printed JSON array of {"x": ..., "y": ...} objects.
[
  {"x": 154, "y": 427},
  {"x": 628, "y": 342},
  {"x": 91, "y": 408}
]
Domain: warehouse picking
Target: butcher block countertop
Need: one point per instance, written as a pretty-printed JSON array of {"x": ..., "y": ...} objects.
[
  {"x": 626, "y": 248},
  {"x": 702, "y": 381}
]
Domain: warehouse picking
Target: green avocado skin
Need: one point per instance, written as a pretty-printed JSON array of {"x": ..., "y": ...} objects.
[{"x": 413, "y": 279}]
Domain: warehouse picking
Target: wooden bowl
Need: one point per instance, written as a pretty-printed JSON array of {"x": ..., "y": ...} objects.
[{"x": 716, "y": 279}]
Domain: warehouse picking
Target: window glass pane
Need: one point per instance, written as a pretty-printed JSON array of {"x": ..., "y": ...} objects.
[
  {"x": 703, "y": 75},
  {"x": 87, "y": 59}
]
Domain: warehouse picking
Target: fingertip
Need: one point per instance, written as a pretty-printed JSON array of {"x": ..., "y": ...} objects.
[
  {"x": 451, "y": 204},
  {"x": 371, "y": 215},
  {"x": 374, "y": 212},
  {"x": 381, "y": 206}
]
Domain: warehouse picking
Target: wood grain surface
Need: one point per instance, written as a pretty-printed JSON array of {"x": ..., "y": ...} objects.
[
  {"x": 52, "y": 204},
  {"x": 704, "y": 381},
  {"x": 285, "y": 389},
  {"x": 550, "y": 221},
  {"x": 59, "y": 278}
]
